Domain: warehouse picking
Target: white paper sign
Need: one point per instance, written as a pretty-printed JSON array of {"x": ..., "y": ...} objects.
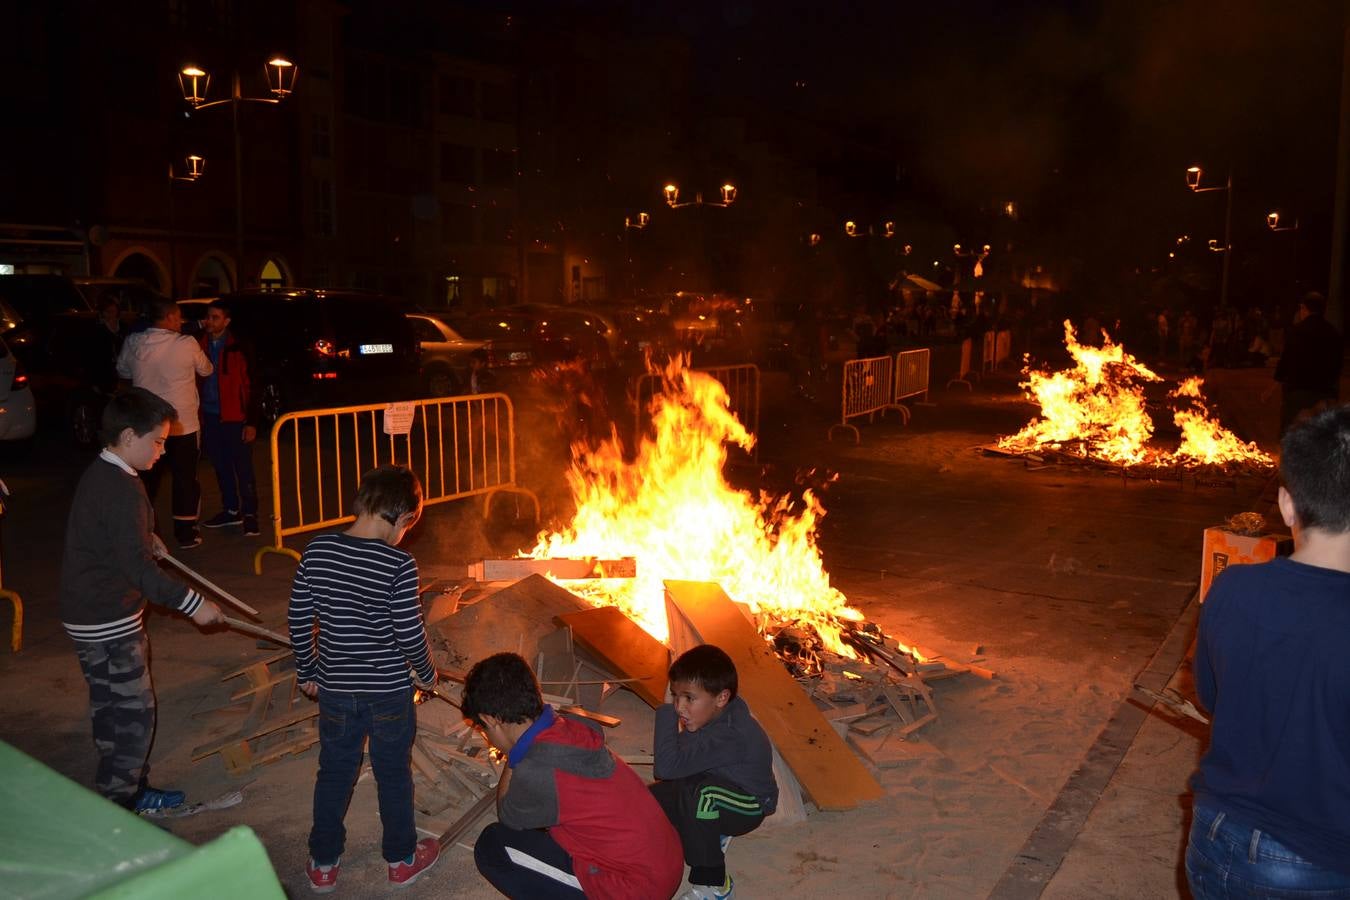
[{"x": 398, "y": 417}]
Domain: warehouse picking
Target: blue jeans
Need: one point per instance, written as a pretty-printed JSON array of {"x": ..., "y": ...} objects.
[
  {"x": 1228, "y": 860},
  {"x": 345, "y": 721},
  {"x": 233, "y": 461}
]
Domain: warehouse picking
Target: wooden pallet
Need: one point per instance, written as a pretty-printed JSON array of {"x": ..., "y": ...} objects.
[{"x": 277, "y": 721}]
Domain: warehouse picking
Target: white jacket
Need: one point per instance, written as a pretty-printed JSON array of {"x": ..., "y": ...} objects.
[{"x": 167, "y": 363}]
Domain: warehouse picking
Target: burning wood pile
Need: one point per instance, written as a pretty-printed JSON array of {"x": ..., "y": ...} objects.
[{"x": 1095, "y": 412}]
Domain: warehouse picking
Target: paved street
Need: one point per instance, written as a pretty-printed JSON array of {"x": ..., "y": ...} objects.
[{"x": 1065, "y": 581}]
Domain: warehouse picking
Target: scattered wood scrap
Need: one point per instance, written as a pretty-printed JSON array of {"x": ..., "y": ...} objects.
[
  {"x": 515, "y": 568},
  {"x": 277, "y": 720}
]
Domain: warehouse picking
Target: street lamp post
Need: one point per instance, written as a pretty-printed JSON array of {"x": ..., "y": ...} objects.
[
  {"x": 194, "y": 168},
  {"x": 1193, "y": 182},
  {"x": 195, "y": 83},
  {"x": 672, "y": 194},
  {"x": 632, "y": 224}
]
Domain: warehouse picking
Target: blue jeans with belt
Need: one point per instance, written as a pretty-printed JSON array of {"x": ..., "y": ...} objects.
[
  {"x": 345, "y": 721},
  {"x": 1228, "y": 860}
]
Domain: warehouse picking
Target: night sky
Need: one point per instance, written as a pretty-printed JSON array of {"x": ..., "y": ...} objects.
[{"x": 1085, "y": 113}]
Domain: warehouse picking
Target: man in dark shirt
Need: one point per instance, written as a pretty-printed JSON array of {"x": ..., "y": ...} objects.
[
  {"x": 1272, "y": 794},
  {"x": 1309, "y": 371}
]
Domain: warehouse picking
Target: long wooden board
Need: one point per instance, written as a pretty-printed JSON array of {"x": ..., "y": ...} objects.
[
  {"x": 622, "y": 647},
  {"x": 830, "y": 773}
]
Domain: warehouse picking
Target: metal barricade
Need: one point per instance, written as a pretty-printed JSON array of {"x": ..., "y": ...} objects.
[
  {"x": 963, "y": 371},
  {"x": 868, "y": 389},
  {"x": 911, "y": 374},
  {"x": 458, "y": 447},
  {"x": 987, "y": 361},
  {"x": 741, "y": 383}
]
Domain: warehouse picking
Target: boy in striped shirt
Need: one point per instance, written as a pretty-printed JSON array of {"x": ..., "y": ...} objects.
[{"x": 361, "y": 592}]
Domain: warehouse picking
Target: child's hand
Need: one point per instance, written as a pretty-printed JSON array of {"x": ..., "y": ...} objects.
[
  {"x": 208, "y": 614},
  {"x": 157, "y": 548},
  {"x": 309, "y": 688}
]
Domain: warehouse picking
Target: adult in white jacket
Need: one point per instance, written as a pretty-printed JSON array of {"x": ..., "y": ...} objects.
[{"x": 166, "y": 362}]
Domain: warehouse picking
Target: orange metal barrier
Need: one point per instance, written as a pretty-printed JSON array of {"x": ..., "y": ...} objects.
[
  {"x": 743, "y": 395},
  {"x": 868, "y": 389},
  {"x": 911, "y": 374},
  {"x": 1002, "y": 347},
  {"x": 964, "y": 371},
  {"x": 458, "y": 446},
  {"x": 987, "y": 360}
]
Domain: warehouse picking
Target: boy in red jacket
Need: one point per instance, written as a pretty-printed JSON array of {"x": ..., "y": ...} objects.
[{"x": 573, "y": 819}]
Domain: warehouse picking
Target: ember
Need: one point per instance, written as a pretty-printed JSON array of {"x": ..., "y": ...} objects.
[
  {"x": 673, "y": 511},
  {"x": 1096, "y": 411}
]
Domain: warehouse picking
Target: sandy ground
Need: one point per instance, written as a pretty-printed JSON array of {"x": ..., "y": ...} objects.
[{"x": 1066, "y": 579}]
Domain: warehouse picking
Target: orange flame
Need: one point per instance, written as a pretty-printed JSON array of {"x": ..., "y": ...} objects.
[
  {"x": 1098, "y": 403},
  {"x": 674, "y": 512},
  {"x": 1203, "y": 440}
]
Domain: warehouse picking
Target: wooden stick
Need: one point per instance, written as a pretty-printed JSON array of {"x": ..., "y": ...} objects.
[
  {"x": 256, "y": 630},
  {"x": 466, "y": 821},
  {"x": 211, "y": 586}
]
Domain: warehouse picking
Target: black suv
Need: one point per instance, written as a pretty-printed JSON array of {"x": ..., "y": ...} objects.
[{"x": 319, "y": 348}]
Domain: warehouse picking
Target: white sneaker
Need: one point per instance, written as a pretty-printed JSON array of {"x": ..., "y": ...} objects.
[{"x": 710, "y": 892}]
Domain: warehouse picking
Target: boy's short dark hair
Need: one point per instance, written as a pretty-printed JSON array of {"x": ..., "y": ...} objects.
[
  {"x": 388, "y": 491},
  {"x": 1315, "y": 468},
  {"x": 502, "y": 686},
  {"x": 137, "y": 409},
  {"x": 1316, "y": 303},
  {"x": 707, "y": 666},
  {"x": 158, "y": 308},
  {"x": 223, "y": 305}
]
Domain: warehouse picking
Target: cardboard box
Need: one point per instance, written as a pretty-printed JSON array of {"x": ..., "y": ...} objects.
[{"x": 1223, "y": 548}]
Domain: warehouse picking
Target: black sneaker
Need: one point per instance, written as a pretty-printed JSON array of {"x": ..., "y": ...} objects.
[
  {"x": 223, "y": 518},
  {"x": 188, "y": 539},
  {"x": 251, "y": 526}
]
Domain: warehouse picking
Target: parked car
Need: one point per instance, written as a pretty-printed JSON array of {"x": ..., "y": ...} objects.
[
  {"x": 18, "y": 419},
  {"x": 72, "y": 371},
  {"x": 447, "y": 357},
  {"x": 319, "y": 347},
  {"x": 133, "y": 296},
  {"x": 642, "y": 333},
  {"x": 555, "y": 334}
]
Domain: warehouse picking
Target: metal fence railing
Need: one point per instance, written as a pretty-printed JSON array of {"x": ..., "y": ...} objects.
[
  {"x": 868, "y": 389},
  {"x": 741, "y": 383},
  {"x": 911, "y": 374},
  {"x": 964, "y": 368},
  {"x": 458, "y": 446}
]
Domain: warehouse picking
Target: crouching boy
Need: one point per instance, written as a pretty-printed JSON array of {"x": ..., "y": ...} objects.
[
  {"x": 714, "y": 764},
  {"x": 572, "y": 819},
  {"x": 108, "y": 571}
]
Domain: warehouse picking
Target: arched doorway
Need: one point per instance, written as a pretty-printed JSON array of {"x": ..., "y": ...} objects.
[
  {"x": 273, "y": 275},
  {"x": 211, "y": 278},
  {"x": 140, "y": 265}
]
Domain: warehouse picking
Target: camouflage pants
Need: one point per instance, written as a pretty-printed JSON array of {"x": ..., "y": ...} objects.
[{"x": 122, "y": 707}]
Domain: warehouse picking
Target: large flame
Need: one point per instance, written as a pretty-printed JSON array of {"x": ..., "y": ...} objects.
[
  {"x": 1097, "y": 406},
  {"x": 674, "y": 512},
  {"x": 1096, "y": 409}
]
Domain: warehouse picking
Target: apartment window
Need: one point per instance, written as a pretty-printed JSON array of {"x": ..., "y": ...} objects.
[
  {"x": 456, "y": 223},
  {"x": 457, "y": 164},
  {"x": 321, "y": 135},
  {"x": 499, "y": 102},
  {"x": 499, "y": 225},
  {"x": 324, "y": 225},
  {"x": 499, "y": 167},
  {"x": 456, "y": 96}
]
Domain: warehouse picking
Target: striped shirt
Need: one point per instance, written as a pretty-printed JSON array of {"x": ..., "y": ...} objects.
[{"x": 362, "y": 594}]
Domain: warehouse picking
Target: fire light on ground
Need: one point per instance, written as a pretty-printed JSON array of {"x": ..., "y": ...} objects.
[
  {"x": 672, "y": 510},
  {"x": 1096, "y": 410}
]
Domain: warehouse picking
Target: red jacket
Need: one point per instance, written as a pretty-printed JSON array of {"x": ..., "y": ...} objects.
[
  {"x": 237, "y": 403},
  {"x": 622, "y": 845}
]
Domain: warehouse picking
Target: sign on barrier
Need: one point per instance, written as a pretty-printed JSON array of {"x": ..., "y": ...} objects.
[
  {"x": 458, "y": 447},
  {"x": 741, "y": 383},
  {"x": 868, "y": 389},
  {"x": 911, "y": 374}
]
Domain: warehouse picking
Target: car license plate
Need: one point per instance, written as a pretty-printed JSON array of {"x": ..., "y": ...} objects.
[
  {"x": 372, "y": 349},
  {"x": 518, "y": 356}
]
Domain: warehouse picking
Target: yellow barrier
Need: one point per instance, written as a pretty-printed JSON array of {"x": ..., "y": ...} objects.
[
  {"x": 743, "y": 395},
  {"x": 458, "y": 446},
  {"x": 868, "y": 389},
  {"x": 1002, "y": 347},
  {"x": 16, "y": 630},
  {"x": 911, "y": 374},
  {"x": 963, "y": 368}
]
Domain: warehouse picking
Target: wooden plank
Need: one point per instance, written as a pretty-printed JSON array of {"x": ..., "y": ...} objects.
[
  {"x": 466, "y": 821},
  {"x": 621, "y": 646},
  {"x": 257, "y": 730},
  {"x": 516, "y": 568},
  {"x": 829, "y": 772}
]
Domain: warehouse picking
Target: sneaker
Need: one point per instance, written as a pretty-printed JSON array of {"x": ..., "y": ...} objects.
[
  {"x": 187, "y": 539},
  {"x": 223, "y": 518},
  {"x": 423, "y": 858},
  {"x": 710, "y": 891},
  {"x": 152, "y": 800},
  {"x": 251, "y": 526},
  {"x": 322, "y": 879}
]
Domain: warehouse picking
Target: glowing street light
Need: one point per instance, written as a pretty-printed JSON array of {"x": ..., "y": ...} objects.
[
  {"x": 1193, "y": 176},
  {"x": 672, "y": 195},
  {"x": 639, "y": 223},
  {"x": 1273, "y": 222}
]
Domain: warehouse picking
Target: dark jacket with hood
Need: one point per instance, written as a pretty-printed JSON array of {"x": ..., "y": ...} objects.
[{"x": 732, "y": 747}]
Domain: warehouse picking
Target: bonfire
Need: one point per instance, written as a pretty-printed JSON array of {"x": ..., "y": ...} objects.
[
  {"x": 674, "y": 512},
  {"x": 1096, "y": 410}
]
